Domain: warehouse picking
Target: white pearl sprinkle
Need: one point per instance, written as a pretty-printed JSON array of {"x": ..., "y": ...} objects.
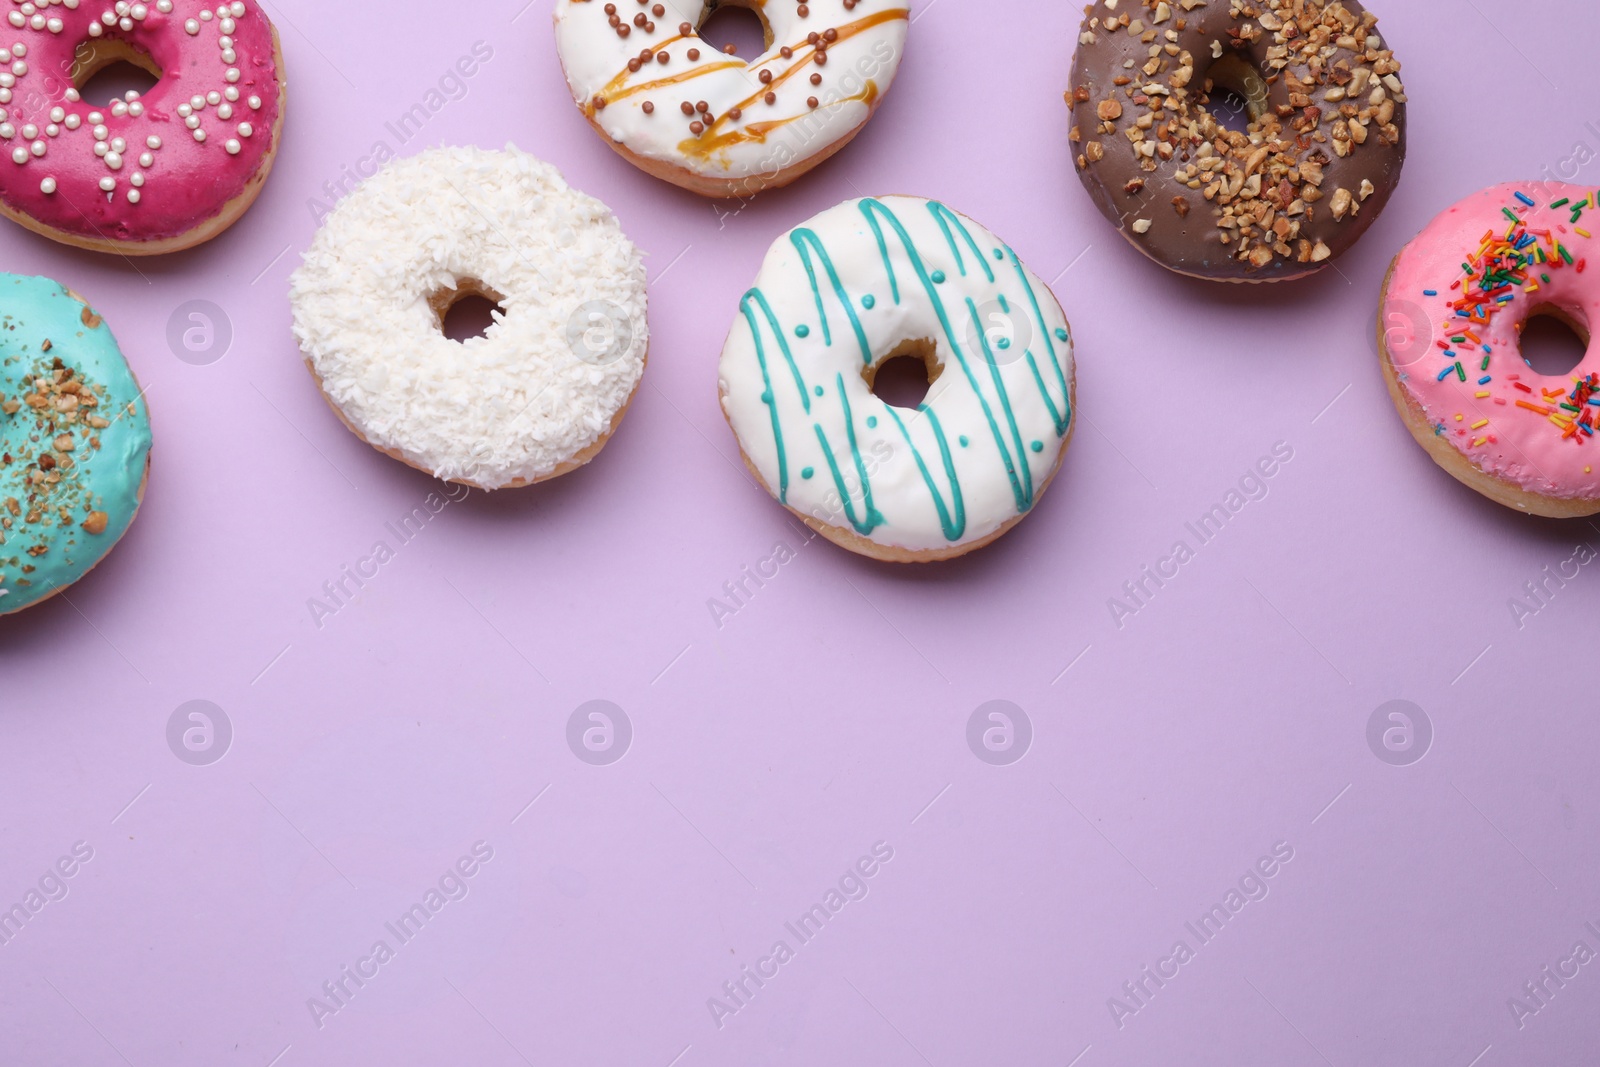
[
  {"x": 48, "y": 186},
  {"x": 133, "y": 196}
]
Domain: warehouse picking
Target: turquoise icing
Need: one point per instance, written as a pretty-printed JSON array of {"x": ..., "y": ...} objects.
[
  {"x": 105, "y": 480},
  {"x": 980, "y": 369}
]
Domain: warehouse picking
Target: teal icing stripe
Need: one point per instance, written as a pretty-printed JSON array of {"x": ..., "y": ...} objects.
[
  {"x": 1062, "y": 416},
  {"x": 873, "y": 518},
  {"x": 1019, "y": 457},
  {"x": 803, "y": 237},
  {"x": 767, "y": 397},
  {"x": 945, "y": 217},
  {"x": 955, "y": 527}
]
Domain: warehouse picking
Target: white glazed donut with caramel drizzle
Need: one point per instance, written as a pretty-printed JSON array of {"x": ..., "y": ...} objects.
[{"x": 679, "y": 109}]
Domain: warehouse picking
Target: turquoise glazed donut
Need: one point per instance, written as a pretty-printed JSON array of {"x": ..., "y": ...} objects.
[{"x": 74, "y": 441}]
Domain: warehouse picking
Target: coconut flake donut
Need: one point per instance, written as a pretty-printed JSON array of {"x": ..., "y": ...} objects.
[
  {"x": 1454, "y": 306},
  {"x": 837, "y": 298},
  {"x": 1326, "y": 140},
  {"x": 74, "y": 441},
  {"x": 713, "y": 123},
  {"x": 542, "y": 391},
  {"x": 149, "y": 174}
]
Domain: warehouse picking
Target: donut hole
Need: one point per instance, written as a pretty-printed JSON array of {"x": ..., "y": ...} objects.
[
  {"x": 108, "y": 69},
  {"x": 1235, "y": 94},
  {"x": 1553, "y": 341},
  {"x": 467, "y": 311},
  {"x": 735, "y": 23},
  {"x": 902, "y": 378}
]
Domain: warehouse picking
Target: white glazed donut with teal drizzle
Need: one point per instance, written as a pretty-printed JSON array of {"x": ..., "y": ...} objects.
[
  {"x": 838, "y": 297},
  {"x": 74, "y": 441}
]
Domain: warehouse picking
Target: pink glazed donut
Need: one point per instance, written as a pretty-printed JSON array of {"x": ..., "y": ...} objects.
[
  {"x": 146, "y": 174},
  {"x": 1454, "y": 307}
]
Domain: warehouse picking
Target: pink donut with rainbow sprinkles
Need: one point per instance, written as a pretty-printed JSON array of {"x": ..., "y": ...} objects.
[
  {"x": 144, "y": 174},
  {"x": 1455, "y": 305}
]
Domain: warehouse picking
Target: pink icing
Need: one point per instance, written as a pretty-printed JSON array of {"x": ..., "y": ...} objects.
[
  {"x": 1521, "y": 446},
  {"x": 186, "y": 181}
]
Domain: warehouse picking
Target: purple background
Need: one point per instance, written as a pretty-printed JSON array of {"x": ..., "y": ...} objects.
[{"x": 831, "y": 711}]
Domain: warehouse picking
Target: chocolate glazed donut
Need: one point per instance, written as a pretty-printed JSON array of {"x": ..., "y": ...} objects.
[{"x": 1323, "y": 154}]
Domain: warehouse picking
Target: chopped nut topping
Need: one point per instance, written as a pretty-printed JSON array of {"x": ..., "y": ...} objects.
[{"x": 1334, "y": 90}]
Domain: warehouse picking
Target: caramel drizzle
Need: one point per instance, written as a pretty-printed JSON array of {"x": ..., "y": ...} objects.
[
  {"x": 707, "y": 145},
  {"x": 711, "y": 141},
  {"x": 615, "y": 89}
]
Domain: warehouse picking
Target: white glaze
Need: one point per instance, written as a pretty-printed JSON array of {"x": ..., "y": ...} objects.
[
  {"x": 548, "y": 379},
  {"x": 858, "y": 68},
  {"x": 968, "y": 399}
]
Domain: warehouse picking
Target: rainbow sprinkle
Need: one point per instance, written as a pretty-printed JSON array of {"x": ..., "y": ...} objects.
[{"x": 1517, "y": 259}]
